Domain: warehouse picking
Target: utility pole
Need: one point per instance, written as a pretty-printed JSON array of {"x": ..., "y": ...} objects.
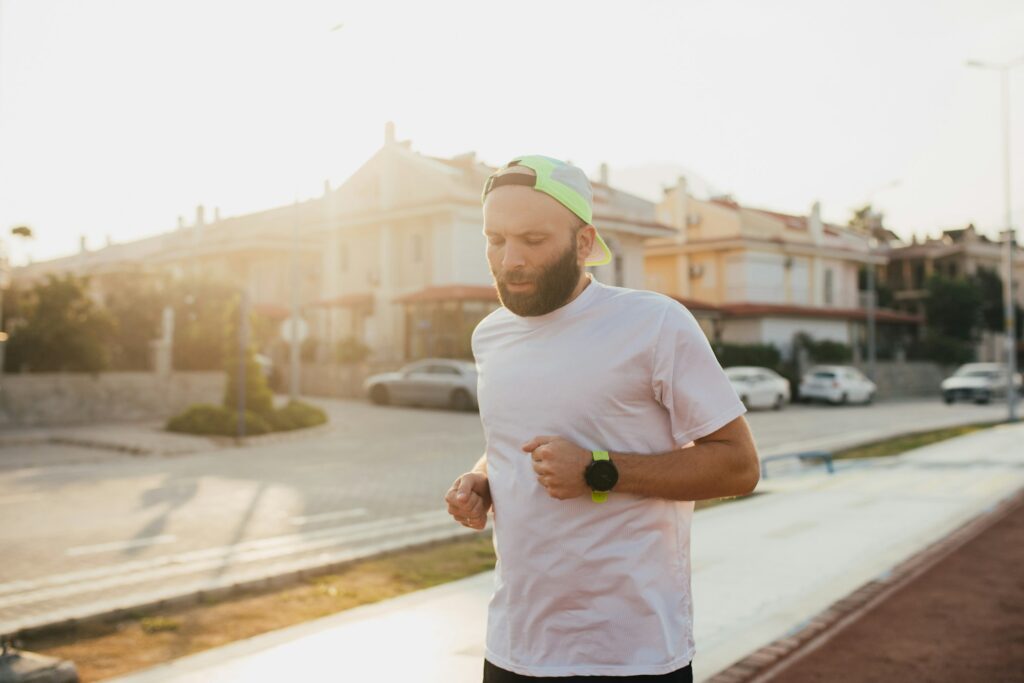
[
  {"x": 1009, "y": 239},
  {"x": 294, "y": 341}
]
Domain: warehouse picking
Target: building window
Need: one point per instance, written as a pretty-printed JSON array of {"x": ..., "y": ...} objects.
[{"x": 828, "y": 286}]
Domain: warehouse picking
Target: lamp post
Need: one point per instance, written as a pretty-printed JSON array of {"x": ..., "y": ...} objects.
[{"x": 1008, "y": 301}]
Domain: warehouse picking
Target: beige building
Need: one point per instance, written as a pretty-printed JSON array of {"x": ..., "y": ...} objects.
[
  {"x": 763, "y": 276},
  {"x": 954, "y": 254},
  {"x": 404, "y": 265}
]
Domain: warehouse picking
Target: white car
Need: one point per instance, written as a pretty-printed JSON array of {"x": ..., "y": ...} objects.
[
  {"x": 759, "y": 387},
  {"x": 978, "y": 382},
  {"x": 836, "y": 384},
  {"x": 430, "y": 382}
]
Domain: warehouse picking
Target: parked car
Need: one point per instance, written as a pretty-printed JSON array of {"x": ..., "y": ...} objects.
[
  {"x": 759, "y": 387},
  {"x": 836, "y": 384},
  {"x": 978, "y": 382},
  {"x": 429, "y": 382}
]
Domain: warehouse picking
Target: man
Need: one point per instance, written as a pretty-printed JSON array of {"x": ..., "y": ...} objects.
[{"x": 605, "y": 413}]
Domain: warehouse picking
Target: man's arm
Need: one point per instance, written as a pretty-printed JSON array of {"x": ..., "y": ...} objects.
[{"x": 723, "y": 463}]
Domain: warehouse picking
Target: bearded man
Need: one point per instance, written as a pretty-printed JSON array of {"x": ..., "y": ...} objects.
[{"x": 606, "y": 414}]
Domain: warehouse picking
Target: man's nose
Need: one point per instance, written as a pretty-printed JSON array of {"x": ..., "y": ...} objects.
[{"x": 513, "y": 257}]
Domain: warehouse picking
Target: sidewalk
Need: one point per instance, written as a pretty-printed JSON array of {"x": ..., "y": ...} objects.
[{"x": 762, "y": 569}]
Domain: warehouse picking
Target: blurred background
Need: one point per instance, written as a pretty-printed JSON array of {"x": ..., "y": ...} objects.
[{"x": 224, "y": 223}]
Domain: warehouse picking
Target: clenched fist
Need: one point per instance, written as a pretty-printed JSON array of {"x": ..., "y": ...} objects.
[
  {"x": 560, "y": 465},
  {"x": 469, "y": 499}
]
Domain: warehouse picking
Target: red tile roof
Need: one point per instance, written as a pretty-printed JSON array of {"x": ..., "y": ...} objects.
[
  {"x": 346, "y": 301},
  {"x": 746, "y": 310},
  {"x": 450, "y": 293}
]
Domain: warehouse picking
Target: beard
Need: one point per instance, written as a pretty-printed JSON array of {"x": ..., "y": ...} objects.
[{"x": 553, "y": 286}]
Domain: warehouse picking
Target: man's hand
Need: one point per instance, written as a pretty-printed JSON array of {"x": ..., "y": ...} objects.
[
  {"x": 559, "y": 464},
  {"x": 469, "y": 499}
]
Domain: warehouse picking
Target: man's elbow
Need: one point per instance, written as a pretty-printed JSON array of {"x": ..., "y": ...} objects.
[{"x": 747, "y": 473}]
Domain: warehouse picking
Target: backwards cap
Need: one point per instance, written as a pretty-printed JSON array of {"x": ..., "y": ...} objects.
[{"x": 566, "y": 183}]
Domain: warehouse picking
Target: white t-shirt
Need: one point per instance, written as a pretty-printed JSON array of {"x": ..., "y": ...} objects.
[{"x": 584, "y": 588}]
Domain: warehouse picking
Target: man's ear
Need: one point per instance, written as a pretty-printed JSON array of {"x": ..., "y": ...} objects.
[{"x": 585, "y": 241}]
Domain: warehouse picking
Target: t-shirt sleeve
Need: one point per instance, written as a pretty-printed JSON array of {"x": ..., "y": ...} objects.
[{"x": 688, "y": 380}]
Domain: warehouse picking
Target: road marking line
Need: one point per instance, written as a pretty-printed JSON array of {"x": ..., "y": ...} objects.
[
  {"x": 329, "y": 516},
  {"x": 120, "y": 545},
  {"x": 28, "y": 591}
]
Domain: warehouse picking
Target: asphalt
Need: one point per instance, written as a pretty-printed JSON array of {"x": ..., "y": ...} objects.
[{"x": 763, "y": 568}]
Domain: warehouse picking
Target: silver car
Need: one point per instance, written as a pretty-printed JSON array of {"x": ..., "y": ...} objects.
[
  {"x": 978, "y": 382},
  {"x": 429, "y": 382}
]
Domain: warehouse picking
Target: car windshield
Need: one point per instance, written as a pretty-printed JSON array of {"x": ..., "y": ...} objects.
[
  {"x": 986, "y": 374},
  {"x": 821, "y": 374}
]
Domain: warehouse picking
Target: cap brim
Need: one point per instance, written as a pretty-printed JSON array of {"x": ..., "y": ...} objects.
[{"x": 600, "y": 254}]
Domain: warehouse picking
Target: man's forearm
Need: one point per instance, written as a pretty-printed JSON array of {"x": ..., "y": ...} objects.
[
  {"x": 481, "y": 465},
  {"x": 713, "y": 469}
]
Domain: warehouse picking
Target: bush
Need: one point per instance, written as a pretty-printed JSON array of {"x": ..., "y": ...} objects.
[
  {"x": 761, "y": 355},
  {"x": 941, "y": 349},
  {"x": 296, "y": 415},
  {"x": 350, "y": 350},
  {"x": 824, "y": 351},
  {"x": 207, "y": 419}
]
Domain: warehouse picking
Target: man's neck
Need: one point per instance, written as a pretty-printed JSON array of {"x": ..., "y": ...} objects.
[{"x": 585, "y": 280}]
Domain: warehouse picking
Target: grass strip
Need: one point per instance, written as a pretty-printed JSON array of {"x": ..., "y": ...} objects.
[
  {"x": 112, "y": 648},
  {"x": 907, "y": 442}
]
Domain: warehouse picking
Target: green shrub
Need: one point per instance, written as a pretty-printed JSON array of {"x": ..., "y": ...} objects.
[
  {"x": 761, "y": 355},
  {"x": 207, "y": 419},
  {"x": 941, "y": 349},
  {"x": 296, "y": 415},
  {"x": 350, "y": 350},
  {"x": 824, "y": 351}
]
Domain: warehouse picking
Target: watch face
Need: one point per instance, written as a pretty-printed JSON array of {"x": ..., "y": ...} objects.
[{"x": 602, "y": 475}]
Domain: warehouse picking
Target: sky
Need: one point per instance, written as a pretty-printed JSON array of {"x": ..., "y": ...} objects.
[{"x": 117, "y": 116}]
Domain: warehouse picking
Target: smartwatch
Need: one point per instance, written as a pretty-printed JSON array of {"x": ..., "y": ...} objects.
[{"x": 601, "y": 476}]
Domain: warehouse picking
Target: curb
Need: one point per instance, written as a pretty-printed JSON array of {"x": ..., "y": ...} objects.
[{"x": 766, "y": 663}]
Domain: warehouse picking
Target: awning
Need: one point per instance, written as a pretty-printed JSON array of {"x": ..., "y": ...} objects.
[
  {"x": 754, "y": 310},
  {"x": 450, "y": 293},
  {"x": 356, "y": 300}
]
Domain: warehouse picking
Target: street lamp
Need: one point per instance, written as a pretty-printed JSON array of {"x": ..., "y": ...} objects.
[{"x": 1008, "y": 301}]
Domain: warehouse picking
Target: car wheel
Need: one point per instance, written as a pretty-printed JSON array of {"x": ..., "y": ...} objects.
[
  {"x": 948, "y": 398},
  {"x": 844, "y": 399},
  {"x": 379, "y": 395},
  {"x": 870, "y": 399},
  {"x": 779, "y": 400},
  {"x": 461, "y": 400}
]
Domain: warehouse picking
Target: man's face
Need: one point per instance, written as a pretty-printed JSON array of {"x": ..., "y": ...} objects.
[{"x": 533, "y": 249}]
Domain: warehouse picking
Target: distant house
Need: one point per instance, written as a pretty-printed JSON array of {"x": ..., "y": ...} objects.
[
  {"x": 954, "y": 254},
  {"x": 404, "y": 266},
  {"x": 758, "y": 276}
]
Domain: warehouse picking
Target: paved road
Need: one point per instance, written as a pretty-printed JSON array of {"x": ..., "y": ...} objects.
[
  {"x": 762, "y": 568},
  {"x": 87, "y": 529}
]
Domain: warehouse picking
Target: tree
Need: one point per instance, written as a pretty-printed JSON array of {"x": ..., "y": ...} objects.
[
  {"x": 258, "y": 397},
  {"x": 61, "y": 330},
  {"x": 953, "y": 307},
  {"x": 136, "y": 305},
  {"x": 199, "y": 319}
]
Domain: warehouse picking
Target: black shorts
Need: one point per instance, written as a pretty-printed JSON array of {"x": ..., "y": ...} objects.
[{"x": 494, "y": 674}]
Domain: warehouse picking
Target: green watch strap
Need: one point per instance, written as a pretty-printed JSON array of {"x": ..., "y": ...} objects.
[{"x": 599, "y": 496}]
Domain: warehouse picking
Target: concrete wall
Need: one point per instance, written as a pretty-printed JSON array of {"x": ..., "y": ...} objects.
[
  {"x": 905, "y": 379},
  {"x": 54, "y": 399}
]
